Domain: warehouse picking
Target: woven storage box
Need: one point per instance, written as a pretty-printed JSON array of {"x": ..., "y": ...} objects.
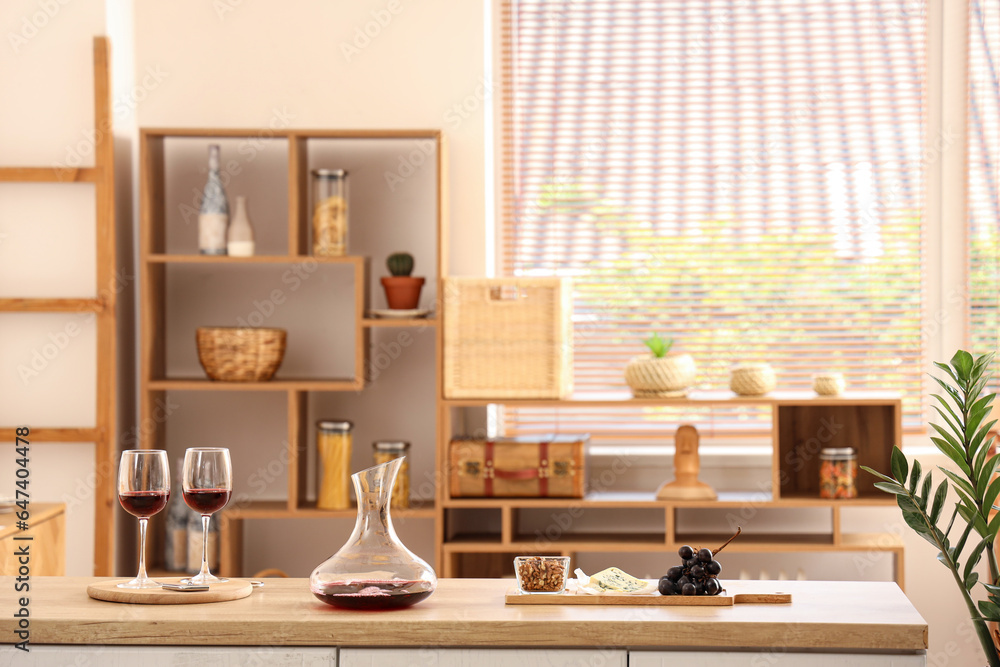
[
  {"x": 240, "y": 354},
  {"x": 535, "y": 467},
  {"x": 508, "y": 338}
]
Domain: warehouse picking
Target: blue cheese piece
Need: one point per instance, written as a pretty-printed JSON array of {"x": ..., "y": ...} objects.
[{"x": 612, "y": 581}]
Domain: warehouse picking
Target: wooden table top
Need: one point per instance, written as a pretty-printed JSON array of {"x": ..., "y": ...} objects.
[{"x": 471, "y": 612}]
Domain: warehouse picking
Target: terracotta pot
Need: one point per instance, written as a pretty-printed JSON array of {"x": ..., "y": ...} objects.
[{"x": 402, "y": 292}]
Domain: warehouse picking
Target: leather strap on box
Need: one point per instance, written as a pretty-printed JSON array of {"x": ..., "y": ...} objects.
[{"x": 541, "y": 472}]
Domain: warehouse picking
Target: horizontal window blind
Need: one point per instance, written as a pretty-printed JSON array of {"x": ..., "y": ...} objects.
[
  {"x": 745, "y": 177},
  {"x": 982, "y": 177}
]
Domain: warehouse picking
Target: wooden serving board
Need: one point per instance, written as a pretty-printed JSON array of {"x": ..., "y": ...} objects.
[
  {"x": 234, "y": 589},
  {"x": 732, "y": 597}
]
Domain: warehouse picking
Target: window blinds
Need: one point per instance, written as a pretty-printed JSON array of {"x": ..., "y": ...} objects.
[
  {"x": 983, "y": 174},
  {"x": 742, "y": 176}
]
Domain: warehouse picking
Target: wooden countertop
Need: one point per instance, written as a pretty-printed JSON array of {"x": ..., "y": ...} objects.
[{"x": 471, "y": 612}]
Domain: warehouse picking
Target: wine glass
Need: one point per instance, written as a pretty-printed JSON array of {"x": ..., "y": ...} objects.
[
  {"x": 208, "y": 484},
  {"x": 143, "y": 490}
]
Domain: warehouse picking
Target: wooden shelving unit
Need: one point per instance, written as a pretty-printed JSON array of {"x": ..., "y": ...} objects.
[
  {"x": 102, "y": 176},
  {"x": 155, "y": 259},
  {"x": 803, "y": 423}
]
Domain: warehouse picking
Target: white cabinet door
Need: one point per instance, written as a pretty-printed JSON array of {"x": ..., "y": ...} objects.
[
  {"x": 170, "y": 656},
  {"x": 482, "y": 657},
  {"x": 769, "y": 658}
]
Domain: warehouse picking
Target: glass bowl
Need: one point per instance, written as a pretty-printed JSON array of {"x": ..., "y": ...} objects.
[{"x": 541, "y": 574}]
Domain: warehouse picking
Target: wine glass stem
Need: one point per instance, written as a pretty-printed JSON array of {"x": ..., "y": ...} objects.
[
  {"x": 205, "y": 518},
  {"x": 142, "y": 550}
]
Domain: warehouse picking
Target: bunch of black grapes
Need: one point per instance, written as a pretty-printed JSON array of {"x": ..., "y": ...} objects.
[{"x": 697, "y": 574}]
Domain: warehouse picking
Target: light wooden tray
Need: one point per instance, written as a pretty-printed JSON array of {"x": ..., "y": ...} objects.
[
  {"x": 735, "y": 594},
  {"x": 234, "y": 589}
]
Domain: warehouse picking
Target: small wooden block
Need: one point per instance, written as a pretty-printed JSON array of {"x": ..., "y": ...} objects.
[
  {"x": 234, "y": 589},
  {"x": 763, "y": 598},
  {"x": 650, "y": 600}
]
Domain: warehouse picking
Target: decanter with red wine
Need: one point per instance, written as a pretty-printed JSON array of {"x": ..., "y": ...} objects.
[{"x": 373, "y": 570}]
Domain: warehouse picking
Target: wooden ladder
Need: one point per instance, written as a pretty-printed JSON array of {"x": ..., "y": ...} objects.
[{"x": 103, "y": 306}]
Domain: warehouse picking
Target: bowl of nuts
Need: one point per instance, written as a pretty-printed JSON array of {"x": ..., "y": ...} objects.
[{"x": 541, "y": 574}]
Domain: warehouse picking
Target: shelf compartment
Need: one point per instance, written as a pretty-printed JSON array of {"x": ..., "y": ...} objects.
[
  {"x": 638, "y": 499},
  {"x": 793, "y": 542},
  {"x": 600, "y": 542},
  {"x": 279, "y": 384},
  {"x": 278, "y": 509},
  {"x": 161, "y": 258},
  {"x": 802, "y": 431}
]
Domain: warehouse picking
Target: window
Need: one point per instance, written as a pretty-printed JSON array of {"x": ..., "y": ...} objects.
[
  {"x": 983, "y": 172},
  {"x": 743, "y": 176}
]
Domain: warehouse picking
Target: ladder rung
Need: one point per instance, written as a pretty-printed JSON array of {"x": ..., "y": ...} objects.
[
  {"x": 9, "y": 435},
  {"x": 48, "y": 175},
  {"x": 51, "y": 305}
]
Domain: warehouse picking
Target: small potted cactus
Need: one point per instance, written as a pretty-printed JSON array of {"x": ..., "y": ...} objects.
[
  {"x": 661, "y": 373},
  {"x": 402, "y": 291}
]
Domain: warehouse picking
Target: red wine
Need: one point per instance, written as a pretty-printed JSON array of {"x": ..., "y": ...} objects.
[
  {"x": 143, "y": 504},
  {"x": 207, "y": 501},
  {"x": 373, "y": 595}
]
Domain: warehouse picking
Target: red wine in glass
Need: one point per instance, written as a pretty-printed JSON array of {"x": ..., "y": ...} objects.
[
  {"x": 143, "y": 504},
  {"x": 207, "y": 487},
  {"x": 207, "y": 501}
]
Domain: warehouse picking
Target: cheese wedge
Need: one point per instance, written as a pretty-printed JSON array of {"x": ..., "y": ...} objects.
[{"x": 612, "y": 580}]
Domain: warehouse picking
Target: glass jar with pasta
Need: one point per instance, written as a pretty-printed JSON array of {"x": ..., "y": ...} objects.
[
  {"x": 387, "y": 450},
  {"x": 838, "y": 472},
  {"x": 329, "y": 218},
  {"x": 333, "y": 448}
]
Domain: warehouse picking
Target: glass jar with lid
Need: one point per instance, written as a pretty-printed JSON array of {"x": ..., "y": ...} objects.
[
  {"x": 329, "y": 218},
  {"x": 333, "y": 449},
  {"x": 387, "y": 450},
  {"x": 838, "y": 473}
]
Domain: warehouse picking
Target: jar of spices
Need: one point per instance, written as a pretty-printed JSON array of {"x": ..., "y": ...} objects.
[
  {"x": 333, "y": 448},
  {"x": 387, "y": 450},
  {"x": 838, "y": 472},
  {"x": 329, "y": 220}
]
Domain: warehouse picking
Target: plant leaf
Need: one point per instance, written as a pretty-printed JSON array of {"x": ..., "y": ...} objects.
[
  {"x": 898, "y": 464},
  {"x": 925, "y": 491},
  {"x": 890, "y": 487},
  {"x": 878, "y": 474},
  {"x": 951, "y": 391},
  {"x": 954, "y": 455},
  {"x": 990, "y": 611},
  {"x": 971, "y": 581},
  {"x": 961, "y": 484},
  {"x": 973, "y": 558},
  {"x": 939, "y": 497},
  {"x": 914, "y": 476},
  {"x": 994, "y": 525},
  {"x": 962, "y": 363},
  {"x": 986, "y": 475},
  {"x": 956, "y": 551},
  {"x": 947, "y": 369}
]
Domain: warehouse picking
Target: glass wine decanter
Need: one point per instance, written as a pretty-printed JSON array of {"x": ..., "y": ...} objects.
[{"x": 373, "y": 570}]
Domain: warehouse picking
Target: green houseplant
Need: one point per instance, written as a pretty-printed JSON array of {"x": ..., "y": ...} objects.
[
  {"x": 964, "y": 439},
  {"x": 402, "y": 291},
  {"x": 661, "y": 373}
]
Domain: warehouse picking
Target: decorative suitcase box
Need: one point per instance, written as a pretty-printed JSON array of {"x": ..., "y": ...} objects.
[
  {"x": 508, "y": 337},
  {"x": 518, "y": 467}
]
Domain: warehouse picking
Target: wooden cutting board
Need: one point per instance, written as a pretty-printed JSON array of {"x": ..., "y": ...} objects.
[
  {"x": 732, "y": 596},
  {"x": 234, "y": 589}
]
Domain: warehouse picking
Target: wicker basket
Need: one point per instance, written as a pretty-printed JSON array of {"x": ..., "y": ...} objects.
[
  {"x": 235, "y": 354},
  {"x": 507, "y": 338},
  {"x": 829, "y": 384},
  {"x": 660, "y": 377},
  {"x": 752, "y": 379}
]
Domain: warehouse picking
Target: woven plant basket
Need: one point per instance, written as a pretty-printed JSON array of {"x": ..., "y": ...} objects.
[
  {"x": 829, "y": 384},
  {"x": 660, "y": 377},
  {"x": 752, "y": 379},
  {"x": 237, "y": 354}
]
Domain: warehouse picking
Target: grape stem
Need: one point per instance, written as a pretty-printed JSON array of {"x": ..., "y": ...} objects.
[{"x": 739, "y": 529}]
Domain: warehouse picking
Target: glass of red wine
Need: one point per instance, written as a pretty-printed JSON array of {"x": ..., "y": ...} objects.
[
  {"x": 143, "y": 490},
  {"x": 208, "y": 484}
]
